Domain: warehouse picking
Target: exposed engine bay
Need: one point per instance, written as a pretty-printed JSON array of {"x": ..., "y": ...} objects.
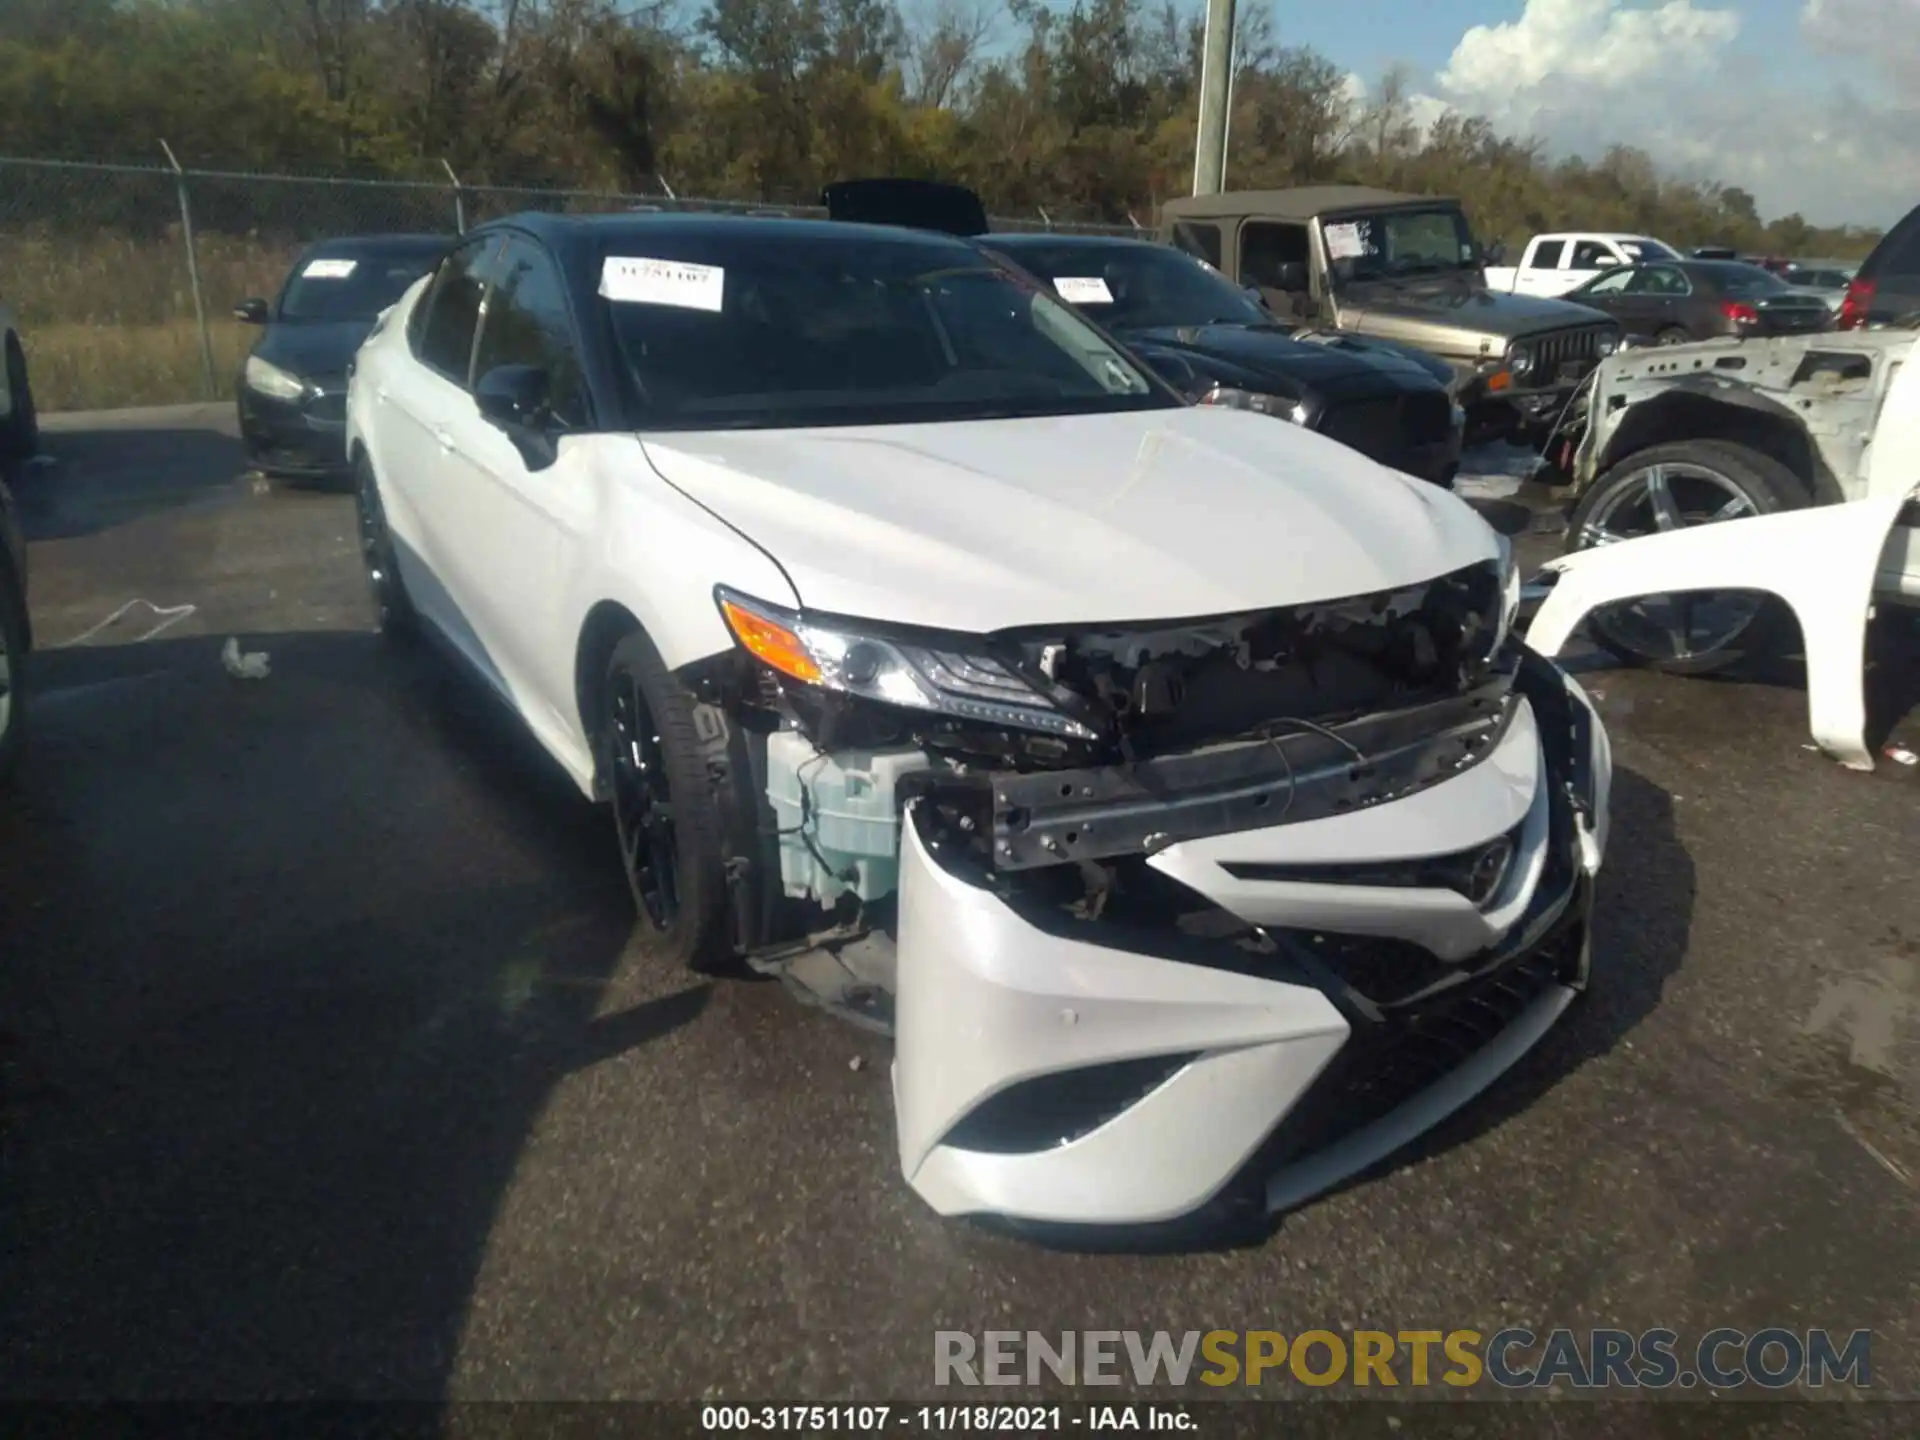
[{"x": 1156, "y": 734}]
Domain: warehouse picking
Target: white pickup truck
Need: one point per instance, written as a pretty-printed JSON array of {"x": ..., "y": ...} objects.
[{"x": 1555, "y": 264}]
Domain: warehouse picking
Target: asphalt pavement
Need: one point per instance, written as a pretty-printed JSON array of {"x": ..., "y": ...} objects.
[{"x": 327, "y": 1069}]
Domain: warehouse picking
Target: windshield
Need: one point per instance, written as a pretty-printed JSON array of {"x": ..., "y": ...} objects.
[
  {"x": 1137, "y": 286},
  {"x": 1734, "y": 278},
  {"x": 1648, "y": 250},
  {"x": 1399, "y": 242},
  {"x": 732, "y": 330},
  {"x": 356, "y": 285}
]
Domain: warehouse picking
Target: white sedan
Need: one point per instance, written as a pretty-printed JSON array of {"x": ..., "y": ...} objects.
[{"x": 1167, "y": 780}]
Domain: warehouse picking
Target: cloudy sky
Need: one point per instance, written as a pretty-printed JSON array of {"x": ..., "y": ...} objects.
[{"x": 1813, "y": 105}]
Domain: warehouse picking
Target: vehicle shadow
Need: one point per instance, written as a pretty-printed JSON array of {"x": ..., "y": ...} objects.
[
  {"x": 291, "y": 967},
  {"x": 92, "y": 480}
]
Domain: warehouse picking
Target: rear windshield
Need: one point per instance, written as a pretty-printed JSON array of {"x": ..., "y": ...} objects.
[
  {"x": 735, "y": 331},
  {"x": 1136, "y": 286},
  {"x": 1644, "y": 250},
  {"x": 1734, "y": 278},
  {"x": 341, "y": 286}
]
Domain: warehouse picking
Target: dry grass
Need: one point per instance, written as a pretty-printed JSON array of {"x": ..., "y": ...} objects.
[
  {"x": 108, "y": 321},
  {"x": 103, "y": 367}
]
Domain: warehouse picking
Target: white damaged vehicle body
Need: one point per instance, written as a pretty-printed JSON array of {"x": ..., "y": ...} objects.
[
  {"x": 1168, "y": 782},
  {"x": 1849, "y": 407},
  {"x": 1685, "y": 436}
]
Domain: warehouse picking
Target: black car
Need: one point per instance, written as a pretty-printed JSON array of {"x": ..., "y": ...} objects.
[
  {"x": 16, "y": 631},
  {"x": 1215, "y": 342},
  {"x": 1886, "y": 290},
  {"x": 292, "y": 390},
  {"x": 1207, "y": 338},
  {"x": 1677, "y": 302}
]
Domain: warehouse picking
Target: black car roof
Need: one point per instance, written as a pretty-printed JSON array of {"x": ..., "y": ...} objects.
[
  {"x": 1015, "y": 238},
  {"x": 583, "y": 235}
]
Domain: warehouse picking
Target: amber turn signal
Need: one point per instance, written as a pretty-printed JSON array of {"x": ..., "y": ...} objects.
[{"x": 770, "y": 642}]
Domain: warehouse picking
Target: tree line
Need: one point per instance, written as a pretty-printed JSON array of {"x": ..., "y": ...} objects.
[{"x": 1086, "y": 112}]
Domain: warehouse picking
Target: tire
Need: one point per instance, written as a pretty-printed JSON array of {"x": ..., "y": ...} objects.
[
  {"x": 651, "y": 755},
  {"x": 21, "y": 439},
  {"x": 393, "y": 607},
  {"x": 13, "y": 668},
  {"x": 1723, "y": 481},
  {"x": 1672, "y": 335}
]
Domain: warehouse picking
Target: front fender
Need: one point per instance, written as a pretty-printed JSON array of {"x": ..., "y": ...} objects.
[{"x": 660, "y": 554}]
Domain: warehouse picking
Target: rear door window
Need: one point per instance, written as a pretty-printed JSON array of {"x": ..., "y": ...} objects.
[
  {"x": 1265, "y": 247},
  {"x": 1546, "y": 255},
  {"x": 444, "y": 341},
  {"x": 1903, "y": 256},
  {"x": 528, "y": 323},
  {"x": 1199, "y": 239}
]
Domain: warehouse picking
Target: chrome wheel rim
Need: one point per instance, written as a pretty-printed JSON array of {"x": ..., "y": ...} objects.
[
  {"x": 1649, "y": 501},
  {"x": 643, "y": 805}
]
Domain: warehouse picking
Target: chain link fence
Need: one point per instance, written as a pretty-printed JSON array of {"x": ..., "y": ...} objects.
[{"x": 123, "y": 278}]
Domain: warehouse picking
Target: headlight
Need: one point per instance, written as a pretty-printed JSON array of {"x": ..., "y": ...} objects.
[
  {"x": 860, "y": 659},
  {"x": 272, "y": 380},
  {"x": 1607, "y": 344},
  {"x": 1275, "y": 405},
  {"x": 1520, "y": 362}
]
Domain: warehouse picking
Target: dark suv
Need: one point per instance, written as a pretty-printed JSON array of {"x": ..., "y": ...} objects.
[{"x": 1886, "y": 291}]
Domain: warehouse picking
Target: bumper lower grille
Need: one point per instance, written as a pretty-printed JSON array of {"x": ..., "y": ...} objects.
[{"x": 1380, "y": 1071}]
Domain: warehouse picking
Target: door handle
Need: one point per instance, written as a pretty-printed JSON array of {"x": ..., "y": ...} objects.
[
  {"x": 380, "y": 394},
  {"x": 445, "y": 440}
]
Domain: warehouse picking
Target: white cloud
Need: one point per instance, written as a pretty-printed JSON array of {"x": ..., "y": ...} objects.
[{"x": 1674, "y": 79}]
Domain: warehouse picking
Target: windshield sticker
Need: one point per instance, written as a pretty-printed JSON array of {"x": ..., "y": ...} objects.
[
  {"x": 1344, "y": 242},
  {"x": 629, "y": 280},
  {"x": 329, "y": 269},
  {"x": 1083, "y": 289}
]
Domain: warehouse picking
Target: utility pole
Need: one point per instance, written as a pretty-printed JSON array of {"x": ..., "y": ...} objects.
[{"x": 1216, "y": 92}]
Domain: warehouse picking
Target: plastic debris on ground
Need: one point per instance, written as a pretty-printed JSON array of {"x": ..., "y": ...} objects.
[
  {"x": 166, "y": 616},
  {"x": 250, "y": 666}
]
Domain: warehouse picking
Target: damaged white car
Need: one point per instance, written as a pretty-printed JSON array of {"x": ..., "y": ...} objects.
[
  {"x": 1168, "y": 781},
  {"x": 1683, "y": 436}
]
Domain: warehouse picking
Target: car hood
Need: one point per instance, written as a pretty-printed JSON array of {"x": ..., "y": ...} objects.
[
  {"x": 1465, "y": 306},
  {"x": 1260, "y": 352},
  {"x": 1149, "y": 515},
  {"x": 318, "y": 350}
]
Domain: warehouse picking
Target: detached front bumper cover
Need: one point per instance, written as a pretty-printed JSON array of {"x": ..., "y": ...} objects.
[{"x": 1283, "y": 1033}]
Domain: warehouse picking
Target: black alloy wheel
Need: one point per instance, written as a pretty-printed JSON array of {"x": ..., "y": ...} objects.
[
  {"x": 642, "y": 804},
  {"x": 658, "y": 772},
  {"x": 392, "y": 605},
  {"x": 21, "y": 440}
]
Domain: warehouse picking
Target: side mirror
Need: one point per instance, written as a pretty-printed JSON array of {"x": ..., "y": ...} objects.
[
  {"x": 252, "y": 312},
  {"x": 1292, "y": 276},
  {"x": 513, "y": 396}
]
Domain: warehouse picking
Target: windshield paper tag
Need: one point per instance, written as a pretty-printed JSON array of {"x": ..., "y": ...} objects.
[
  {"x": 678, "y": 283},
  {"x": 1344, "y": 243},
  {"x": 329, "y": 269},
  {"x": 1083, "y": 289}
]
